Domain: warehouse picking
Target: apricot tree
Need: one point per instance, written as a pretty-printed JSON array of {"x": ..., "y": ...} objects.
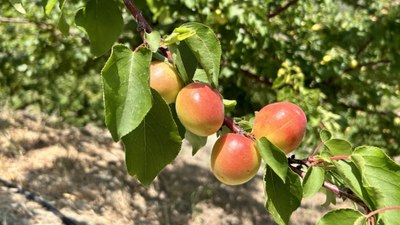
[{"x": 152, "y": 129}]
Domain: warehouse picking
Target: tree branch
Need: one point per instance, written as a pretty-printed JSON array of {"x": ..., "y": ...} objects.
[
  {"x": 254, "y": 77},
  {"x": 363, "y": 47},
  {"x": 327, "y": 185},
  {"x": 281, "y": 9},
  {"x": 27, "y": 21},
  {"x": 235, "y": 128},
  {"x": 143, "y": 25},
  {"x": 369, "y": 64},
  {"x": 364, "y": 109}
]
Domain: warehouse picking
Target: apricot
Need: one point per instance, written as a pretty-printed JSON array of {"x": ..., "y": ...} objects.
[
  {"x": 234, "y": 159},
  {"x": 200, "y": 109},
  {"x": 165, "y": 80},
  {"x": 282, "y": 123}
]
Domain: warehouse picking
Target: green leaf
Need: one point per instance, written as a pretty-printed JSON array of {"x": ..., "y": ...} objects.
[
  {"x": 195, "y": 141},
  {"x": 342, "y": 217},
  {"x": 18, "y": 6},
  {"x": 127, "y": 96},
  {"x": 153, "y": 144},
  {"x": 207, "y": 49},
  {"x": 283, "y": 198},
  {"x": 229, "y": 105},
  {"x": 245, "y": 124},
  {"x": 181, "y": 128},
  {"x": 179, "y": 34},
  {"x": 63, "y": 25},
  {"x": 330, "y": 198},
  {"x": 102, "y": 21},
  {"x": 200, "y": 75},
  {"x": 339, "y": 146},
  {"x": 279, "y": 82},
  {"x": 353, "y": 180},
  {"x": 325, "y": 135},
  {"x": 184, "y": 61},
  {"x": 49, "y": 6},
  {"x": 381, "y": 177},
  {"x": 153, "y": 39},
  {"x": 274, "y": 157},
  {"x": 313, "y": 181}
]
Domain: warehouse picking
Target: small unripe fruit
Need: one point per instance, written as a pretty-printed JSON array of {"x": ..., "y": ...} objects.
[
  {"x": 282, "y": 123},
  {"x": 234, "y": 159},
  {"x": 165, "y": 80},
  {"x": 200, "y": 109}
]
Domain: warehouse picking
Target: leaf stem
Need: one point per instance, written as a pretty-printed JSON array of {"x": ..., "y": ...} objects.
[
  {"x": 373, "y": 213},
  {"x": 339, "y": 157},
  {"x": 316, "y": 149}
]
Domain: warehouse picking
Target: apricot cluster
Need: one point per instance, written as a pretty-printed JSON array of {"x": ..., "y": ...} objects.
[
  {"x": 235, "y": 158},
  {"x": 199, "y": 107}
]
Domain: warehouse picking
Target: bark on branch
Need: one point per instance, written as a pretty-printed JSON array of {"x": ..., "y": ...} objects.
[
  {"x": 143, "y": 25},
  {"x": 281, "y": 9}
]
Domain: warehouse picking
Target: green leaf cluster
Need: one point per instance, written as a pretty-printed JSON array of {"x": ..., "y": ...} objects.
[{"x": 367, "y": 172}]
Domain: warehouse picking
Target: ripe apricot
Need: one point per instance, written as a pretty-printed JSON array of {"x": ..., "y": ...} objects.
[
  {"x": 234, "y": 159},
  {"x": 282, "y": 123},
  {"x": 165, "y": 80},
  {"x": 200, "y": 109}
]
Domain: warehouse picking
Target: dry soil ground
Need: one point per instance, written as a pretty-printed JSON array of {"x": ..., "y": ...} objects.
[{"x": 82, "y": 173}]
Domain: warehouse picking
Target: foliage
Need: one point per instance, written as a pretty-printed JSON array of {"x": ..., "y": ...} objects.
[
  {"x": 40, "y": 67},
  {"x": 337, "y": 61}
]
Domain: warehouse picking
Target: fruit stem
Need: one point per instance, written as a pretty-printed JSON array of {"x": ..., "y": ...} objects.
[
  {"x": 228, "y": 122},
  {"x": 235, "y": 128}
]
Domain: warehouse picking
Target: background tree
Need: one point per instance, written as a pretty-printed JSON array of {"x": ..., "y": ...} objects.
[{"x": 337, "y": 59}]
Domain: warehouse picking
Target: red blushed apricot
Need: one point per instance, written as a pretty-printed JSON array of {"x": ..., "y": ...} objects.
[
  {"x": 282, "y": 123},
  {"x": 200, "y": 109},
  {"x": 234, "y": 159},
  {"x": 165, "y": 80}
]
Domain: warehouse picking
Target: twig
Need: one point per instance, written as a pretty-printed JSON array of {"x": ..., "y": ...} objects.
[
  {"x": 235, "y": 128},
  {"x": 335, "y": 189},
  {"x": 281, "y": 9},
  {"x": 31, "y": 196},
  {"x": 27, "y": 21},
  {"x": 363, "y": 47},
  {"x": 257, "y": 78},
  {"x": 370, "y": 64},
  {"x": 364, "y": 109},
  {"x": 143, "y": 25}
]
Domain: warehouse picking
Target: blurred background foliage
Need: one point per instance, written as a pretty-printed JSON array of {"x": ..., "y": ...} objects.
[{"x": 339, "y": 60}]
